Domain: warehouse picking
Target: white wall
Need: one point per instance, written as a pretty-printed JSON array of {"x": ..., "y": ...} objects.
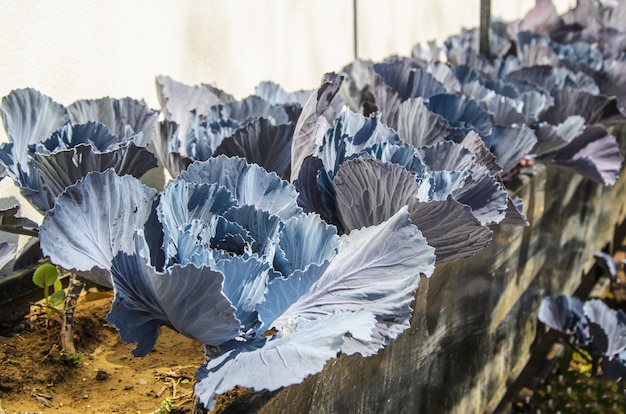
[
  {"x": 75, "y": 49},
  {"x": 72, "y": 49}
]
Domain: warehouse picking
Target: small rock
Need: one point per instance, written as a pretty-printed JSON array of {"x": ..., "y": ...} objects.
[
  {"x": 128, "y": 387},
  {"x": 142, "y": 382},
  {"x": 86, "y": 396},
  {"x": 43, "y": 401},
  {"x": 101, "y": 375}
]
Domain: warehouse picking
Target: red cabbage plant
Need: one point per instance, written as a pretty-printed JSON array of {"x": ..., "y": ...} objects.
[{"x": 225, "y": 255}]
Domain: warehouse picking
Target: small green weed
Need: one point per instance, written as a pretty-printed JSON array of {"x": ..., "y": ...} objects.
[{"x": 47, "y": 276}]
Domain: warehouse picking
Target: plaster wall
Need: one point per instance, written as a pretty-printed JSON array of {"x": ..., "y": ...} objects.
[{"x": 72, "y": 49}]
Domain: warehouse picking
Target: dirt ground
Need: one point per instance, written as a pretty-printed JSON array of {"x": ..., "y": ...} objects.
[{"x": 36, "y": 378}]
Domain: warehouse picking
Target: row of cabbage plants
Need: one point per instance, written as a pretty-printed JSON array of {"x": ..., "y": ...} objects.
[{"x": 297, "y": 225}]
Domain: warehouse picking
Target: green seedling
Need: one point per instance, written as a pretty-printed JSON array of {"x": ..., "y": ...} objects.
[
  {"x": 76, "y": 357},
  {"x": 47, "y": 276},
  {"x": 167, "y": 407}
]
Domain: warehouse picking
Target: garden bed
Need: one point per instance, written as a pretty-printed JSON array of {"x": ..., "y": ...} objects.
[{"x": 104, "y": 377}]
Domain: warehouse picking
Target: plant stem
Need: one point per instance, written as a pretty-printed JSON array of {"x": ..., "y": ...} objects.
[
  {"x": 46, "y": 293},
  {"x": 622, "y": 387},
  {"x": 198, "y": 407},
  {"x": 67, "y": 329},
  {"x": 484, "y": 47}
]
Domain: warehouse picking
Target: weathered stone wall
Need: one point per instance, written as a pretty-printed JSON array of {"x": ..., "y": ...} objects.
[{"x": 474, "y": 320}]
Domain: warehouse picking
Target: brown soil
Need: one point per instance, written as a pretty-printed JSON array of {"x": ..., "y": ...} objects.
[{"x": 36, "y": 378}]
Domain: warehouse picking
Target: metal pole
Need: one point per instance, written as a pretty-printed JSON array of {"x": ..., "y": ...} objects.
[
  {"x": 355, "y": 32},
  {"x": 485, "y": 24}
]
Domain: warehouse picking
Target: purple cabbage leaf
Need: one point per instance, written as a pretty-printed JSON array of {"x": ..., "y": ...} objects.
[
  {"x": 93, "y": 221},
  {"x": 594, "y": 153},
  {"x": 320, "y": 109}
]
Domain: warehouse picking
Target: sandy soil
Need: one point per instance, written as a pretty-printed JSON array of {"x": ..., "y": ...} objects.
[{"x": 35, "y": 377}]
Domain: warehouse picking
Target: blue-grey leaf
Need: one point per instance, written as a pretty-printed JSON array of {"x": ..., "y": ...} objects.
[
  {"x": 118, "y": 115},
  {"x": 63, "y": 168},
  {"x": 356, "y": 87},
  {"x": 536, "y": 51},
  {"x": 612, "y": 82},
  {"x": 187, "y": 299},
  {"x": 596, "y": 109},
  {"x": 467, "y": 74},
  {"x": 482, "y": 156},
  {"x": 203, "y": 135},
  {"x": 227, "y": 238},
  {"x": 185, "y": 245},
  {"x": 450, "y": 227},
  {"x": 249, "y": 184},
  {"x": 104, "y": 210},
  {"x": 30, "y": 117},
  {"x": 418, "y": 126},
  {"x": 305, "y": 240},
  {"x": 178, "y": 99},
  {"x": 263, "y": 143},
  {"x": 594, "y": 154},
  {"x": 446, "y": 156},
  {"x": 297, "y": 355},
  {"x": 275, "y": 94},
  {"x": 181, "y": 202},
  {"x": 564, "y": 314},
  {"x": 612, "y": 324},
  {"x": 376, "y": 270},
  {"x": 504, "y": 110},
  {"x": 245, "y": 285},
  {"x": 542, "y": 76},
  {"x": 512, "y": 144},
  {"x": 607, "y": 263},
  {"x": 247, "y": 110},
  {"x": 28, "y": 180},
  {"x": 166, "y": 145},
  {"x": 316, "y": 192},
  {"x": 551, "y": 138},
  {"x": 515, "y": 213},
  {"x": 404, "y": 155},
  {"x": 408, "y": 81},
  {"x": 485, "y": 195},
  {"x": 315, "y": 119},
  {"x": 282, "y": 292},
  {"x": 462, "y": 113},
  {"x": 69, "y": 136},
  {"x": 438, "y": 185},
  {"x": 444, "y": 74},
  {"x": 370, "y": 192},
  {"x": 350, "y": 134},
  {"x": 262, "y": 227}
]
